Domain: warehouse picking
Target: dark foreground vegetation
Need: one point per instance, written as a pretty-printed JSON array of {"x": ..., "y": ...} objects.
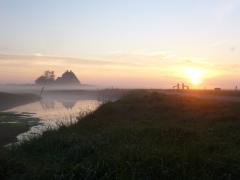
[
  {"x": 12, "y": 124},
  {"x": 8, "y": 100},
  {"x": 141, "y": 136}
]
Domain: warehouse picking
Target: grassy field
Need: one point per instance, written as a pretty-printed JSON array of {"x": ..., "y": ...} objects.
[{"x": 141, "y": 136}]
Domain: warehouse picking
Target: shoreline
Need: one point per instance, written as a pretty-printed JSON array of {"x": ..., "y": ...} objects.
[
  {"x": 13, "y": 124},
  {"x": 9, "y": 100}
]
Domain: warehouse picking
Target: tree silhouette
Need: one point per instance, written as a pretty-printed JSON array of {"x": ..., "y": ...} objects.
[{"x": 47, "y": 78}]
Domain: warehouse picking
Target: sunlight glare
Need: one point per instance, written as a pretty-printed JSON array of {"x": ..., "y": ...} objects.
[{"x": 195, "y": 75}]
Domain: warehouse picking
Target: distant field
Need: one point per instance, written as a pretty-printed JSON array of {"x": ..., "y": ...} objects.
[
  {"x": 8, "y": 100},
  {"x": 144, "y": 135},
  {"x": 209, "y": 92}
]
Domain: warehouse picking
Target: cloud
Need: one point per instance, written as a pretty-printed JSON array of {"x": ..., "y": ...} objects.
[
  {"x": 37, "y": 59},
  {"x": 142, "y": 58},
  {"x": 130, "y": 59},
  {"x": 127, "y": 60}
]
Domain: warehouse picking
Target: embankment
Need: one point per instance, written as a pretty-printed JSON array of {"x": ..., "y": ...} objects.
[{"x": 141, "y": 136}]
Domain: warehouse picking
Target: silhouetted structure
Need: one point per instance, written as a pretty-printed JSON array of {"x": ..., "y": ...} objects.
[
  {"x": 183, "y": 87},
  {"x": 177, "y": 86}
]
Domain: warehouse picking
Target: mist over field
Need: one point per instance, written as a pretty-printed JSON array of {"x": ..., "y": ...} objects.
[{"x": 119, "y": 89}]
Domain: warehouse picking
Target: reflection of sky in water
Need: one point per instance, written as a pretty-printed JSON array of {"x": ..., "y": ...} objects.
[{"x": 54, "y": 112}]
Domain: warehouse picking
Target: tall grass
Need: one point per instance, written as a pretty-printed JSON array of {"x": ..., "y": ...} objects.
[{"x": 141, "y": 136}]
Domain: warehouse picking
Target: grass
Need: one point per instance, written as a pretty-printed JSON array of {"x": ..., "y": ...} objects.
[{"x": 141, "y": 136}]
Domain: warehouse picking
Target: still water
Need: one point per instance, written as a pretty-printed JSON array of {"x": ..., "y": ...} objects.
[{"x": 56, "y": 109}]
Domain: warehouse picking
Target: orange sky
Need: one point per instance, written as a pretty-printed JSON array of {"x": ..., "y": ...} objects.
[
  {"x": 146, "y": 44},
  {"x": 149, "y": 70}
]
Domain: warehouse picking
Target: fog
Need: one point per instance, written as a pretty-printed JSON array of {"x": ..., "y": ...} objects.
[
  {"x": 58, "y": 105},
  {"x": 34, "y": 89}
]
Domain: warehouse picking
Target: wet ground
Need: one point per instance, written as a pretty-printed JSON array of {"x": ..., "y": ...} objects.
[{"x": 53, "y": 110}]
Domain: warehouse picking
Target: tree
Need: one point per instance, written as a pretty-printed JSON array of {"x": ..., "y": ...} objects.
[
  {"x": 48, "y": 78},
  {"x": 49, "y": 75}
]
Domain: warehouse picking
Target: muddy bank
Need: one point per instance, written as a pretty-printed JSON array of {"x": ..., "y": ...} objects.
[{"x": 12, "y": 124}]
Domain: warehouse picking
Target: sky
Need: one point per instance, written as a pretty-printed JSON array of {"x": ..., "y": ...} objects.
[{"x": 122, "y": 43}]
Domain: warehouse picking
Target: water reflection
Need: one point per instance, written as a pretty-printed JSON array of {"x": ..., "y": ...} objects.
[
  {"x": 47, "y": 105},
  {"x": 55, "y": 109}
]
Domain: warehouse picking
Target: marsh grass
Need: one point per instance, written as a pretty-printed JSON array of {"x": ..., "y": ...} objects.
[{"x": 141, "y": 136}]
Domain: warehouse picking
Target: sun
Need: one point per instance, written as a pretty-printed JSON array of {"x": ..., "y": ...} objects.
[{"x": 195, "y": 75}]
